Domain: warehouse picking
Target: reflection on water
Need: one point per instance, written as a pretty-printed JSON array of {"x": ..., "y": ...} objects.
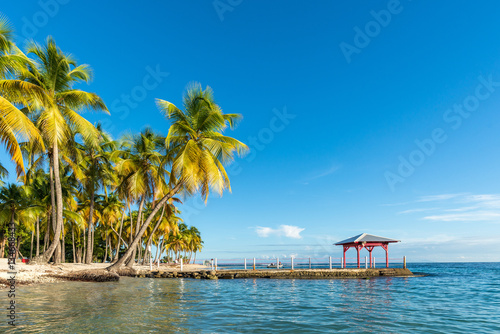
[{"x": 455, "y": 298}]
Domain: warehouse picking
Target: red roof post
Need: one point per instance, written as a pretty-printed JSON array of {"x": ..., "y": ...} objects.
[
  {"x": 358, "y": 248},
  {"x": 370, "y": 249},
  {"x": 345, "y": 249},
  {"x": 386, "y": 248}
]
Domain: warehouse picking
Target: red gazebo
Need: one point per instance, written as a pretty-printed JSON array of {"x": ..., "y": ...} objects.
[{"x": 367, "y": 241}]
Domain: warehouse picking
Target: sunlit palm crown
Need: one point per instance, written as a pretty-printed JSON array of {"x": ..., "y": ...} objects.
[
  {"x": 15, "y": 126},
  {"x": 142, "y": 166},
  {"x": 198, "y": 148},
  {"x": 46, "y": 87}
]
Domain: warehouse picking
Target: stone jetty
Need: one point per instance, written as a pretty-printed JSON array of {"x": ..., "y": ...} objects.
[{"x": 276, "y": 273}]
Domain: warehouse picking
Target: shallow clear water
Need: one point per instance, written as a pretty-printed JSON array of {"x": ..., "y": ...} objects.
[{"x": 453, "y": 298}]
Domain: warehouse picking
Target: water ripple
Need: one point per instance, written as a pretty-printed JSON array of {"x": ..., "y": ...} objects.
[{"x": 452, "y": 298}]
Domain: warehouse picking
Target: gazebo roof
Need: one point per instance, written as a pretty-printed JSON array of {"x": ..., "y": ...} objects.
[{"x": 365, "y": 237}]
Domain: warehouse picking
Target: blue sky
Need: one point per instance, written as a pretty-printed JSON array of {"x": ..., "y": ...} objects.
[{"x": 364, "y": 116}]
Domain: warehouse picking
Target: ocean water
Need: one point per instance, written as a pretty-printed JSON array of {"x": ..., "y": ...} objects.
[{"x": 451, "y": 298}]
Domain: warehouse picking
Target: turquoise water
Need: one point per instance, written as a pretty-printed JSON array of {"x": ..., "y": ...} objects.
[{"x": 453, "y": 298}]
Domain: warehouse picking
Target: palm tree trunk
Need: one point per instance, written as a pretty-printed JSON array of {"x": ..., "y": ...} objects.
[
  {"x": 84, "y": 247},
  {"x": 157, "y": 224},
  {"x": 32, "y": 239},
  {"x": 131, "y": 260},
  {"x": 2, "y": 244},
  {"x": 144, "y": 227},
  {"x": 37, "y": 236},
  {"x": 73, "y": 243},
  {"x": 63, "y": 246},
  {"x": 106, "y": 251},
  {"x": 58, "y": 211},
  {"x": 119, "y": 237},
  {"x": 90, "y": 245}
]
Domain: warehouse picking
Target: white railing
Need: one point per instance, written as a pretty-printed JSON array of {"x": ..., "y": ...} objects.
[{"x": 300, "y": 263}]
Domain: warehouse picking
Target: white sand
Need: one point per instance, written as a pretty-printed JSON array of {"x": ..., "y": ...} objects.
[{"x": 27, "y": 273}]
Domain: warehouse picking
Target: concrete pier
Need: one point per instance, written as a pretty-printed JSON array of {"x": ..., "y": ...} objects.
[{"x": 279, "y": 274}]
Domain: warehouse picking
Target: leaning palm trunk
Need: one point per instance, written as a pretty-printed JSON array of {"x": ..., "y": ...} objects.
[
  {"x": 119, "y": 237},
  {"x": 131, "y": 260},
  {"x": 144, "y": 227}
]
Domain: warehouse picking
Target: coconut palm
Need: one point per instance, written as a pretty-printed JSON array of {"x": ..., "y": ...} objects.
[
  {"x": 142, "y": 170},
  {"x": 197, "y": 150},
  {"x": 14, "y": 124},
  {"x": 48, "y": 82},
  {"x": 94, "y": 170}
]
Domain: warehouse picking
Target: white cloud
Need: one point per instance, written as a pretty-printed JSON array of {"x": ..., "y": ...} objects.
[
  {"x": 461, "y": 207},
  {"x": 287, "y": 231},
  {"x": 442, "y": 197}
]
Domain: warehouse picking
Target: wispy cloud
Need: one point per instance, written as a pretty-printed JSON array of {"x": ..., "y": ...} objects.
[
  {"x": 322, "y": 173},
  {"x": 288, "y": 231},
  {"x": 460, "y": 207},
  {"x": 434, "y": 198},
  {"x": 416, "y": 210},
  {"x": 474, "y": 216}
]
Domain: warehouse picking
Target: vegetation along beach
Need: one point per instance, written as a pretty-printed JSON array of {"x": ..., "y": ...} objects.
[{"x": 249, "y": 167}]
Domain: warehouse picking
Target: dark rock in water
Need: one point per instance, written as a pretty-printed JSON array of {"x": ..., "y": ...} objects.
[
  {"x": 227, "y": 276},
  {"x": 98, "y": 275}
]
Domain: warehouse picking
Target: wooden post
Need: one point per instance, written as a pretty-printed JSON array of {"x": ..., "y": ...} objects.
[
  {"x": 253, "y": 263},
  {"x": 404, "y": 262},
  {"x": 330, "y": 262},
  {"x": 310, "y": 263}
]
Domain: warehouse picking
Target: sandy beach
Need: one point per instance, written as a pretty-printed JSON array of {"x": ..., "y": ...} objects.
[{"x": 33, "y": 274}]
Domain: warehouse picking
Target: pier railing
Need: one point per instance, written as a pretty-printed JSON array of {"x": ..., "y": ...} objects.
[{"x": 300, "y": 263}]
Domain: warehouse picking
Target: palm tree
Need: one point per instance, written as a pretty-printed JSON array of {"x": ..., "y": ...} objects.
[
  {"x": 14, "y": 124},
  {"x": 197, "y": 150},
  {"x": 49, "y": 81},
  {"x": 15, "y": 207},
  {"x": 142, "y": 170},
  {"x": 94, "y": 170}
]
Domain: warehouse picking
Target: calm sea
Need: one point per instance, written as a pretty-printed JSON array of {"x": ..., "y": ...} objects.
[{"x": 451, "y": 298}]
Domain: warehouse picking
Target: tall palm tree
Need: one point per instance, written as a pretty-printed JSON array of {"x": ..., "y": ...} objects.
[
  {"x": 197, "y": 150},
  {"x": 49, "y": 79},
  {"x": 14, "y": 124},
  {"x": 142, "y": 167},
  {"x": 95, "y": 171}
]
